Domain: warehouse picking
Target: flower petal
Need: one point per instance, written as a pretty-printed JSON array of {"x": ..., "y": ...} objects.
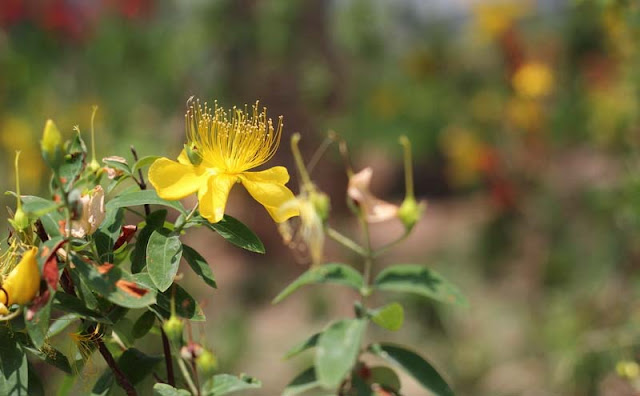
[
  {"x": 213, "y": 197},
  {"x": 267, "y": 187},
  {"x": 173, "y": 180}
]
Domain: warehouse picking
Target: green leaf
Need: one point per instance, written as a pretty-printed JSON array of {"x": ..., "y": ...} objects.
[
  {"x": 168, "y": 390},
  {"x": 71, "y": 304},
  {"x": 14, "y": 372},
  {"x": 137, "y": 365},
  {"x": 103, "y": 385},
  {"x": 112, "y": 163},
  {"x": 303, "y": 346},
  {"x": 144, "y": 323},
  {"x": 186, "y": 305},
  {"x": 301, "y": 383},
  {"x": 61, "y": 323},
  {"x": 199, "y": 265},
  {"x": 384, "y": 376},
  {"x": 327, "y": 273},
  {"x": 389, "y": 317},
  {"x": 106, "y": 235},
  {"x": 415, "y": 366},
  {"x": 223, "y": 384},
  {"x": 235, "y": 232},
  {"x": 36, "y": 206},
  {"x": 142, "y": 197},
  {"x": 73, "y": 163},
  {"x": 35, "y": 384},
  {"x": 410, "y": 278},
  {"x": 163, "y": 258},
  {"x": 38, "y": 324},
  {"x": 337, "y": 351},
  {"x": 155, "y": 221},
  {"x": 52, "y": 357},
  {"x": 115, "y": 285},
  {"x": 144, "y": 161}
]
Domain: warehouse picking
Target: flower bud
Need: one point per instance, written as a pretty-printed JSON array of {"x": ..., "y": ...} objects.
[
  {"x": 322, "y": 204},
  {"x": 51, "y": 144},
  {"x": 20, "y": 220},
  {"x": 207, "y": 362},
  {"x": 410, "y": 212},
  {"x": 173, "y": 329}
]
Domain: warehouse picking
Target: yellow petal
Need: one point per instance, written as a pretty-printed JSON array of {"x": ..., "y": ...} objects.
[
  {"x": 213, "y": 198},
  {"x": 23, "y": 282},
  {"x": 173, "y": 180},
  {"x": 267, "y": 187}
]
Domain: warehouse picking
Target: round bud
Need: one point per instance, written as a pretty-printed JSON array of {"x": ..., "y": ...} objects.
[
  {"x": 173, "y": 329},
  {"x": 410, "y": 212},
  {"x": 207, "y": 362},
  {"x": 322, "y": 204}
]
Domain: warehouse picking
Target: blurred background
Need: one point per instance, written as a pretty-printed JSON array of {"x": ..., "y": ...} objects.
[{"x": 525, "y": 123}]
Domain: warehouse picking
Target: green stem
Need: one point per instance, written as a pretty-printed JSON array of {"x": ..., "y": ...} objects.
[
  {"x": 93, "y": 135},
  {"x": 297, "y": 156},
  {"x": 187, "y": 376},
  {"x": 186, "y": 219},
  {"x": 345, "y": 241},
  {"x": 19, "y": 203},
  {"x": 368, "y": 258},
  {"x": 388, "y": 246},
  {"x": 408, "y": 167}
]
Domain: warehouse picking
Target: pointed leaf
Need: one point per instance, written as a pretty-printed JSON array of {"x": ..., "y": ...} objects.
[
  {"x": 235, "y": 232},
  {"x": 163, "y": 258},
  {"x": 303, "y": 346},
  {"x": 14, "y": 377},
  {"x": 144, "y": 323},
  {"x": 301, "y": 383},
  {"x": 327, "y": 273},
  {"x": 103, "y": 385},
  {"x": 410, "y": 278},
  {"x": 168, "y": 390},
  {"x": 223, "y": 384},
  {"x": 106, "y": 235},
  {"x": 199, "y": 265},
  {"x": 155, "y": 221},
  {"x": 415, "y": 366},
  {"x": 389, "y": 317},
  {"x": 144, "y": 161},
  {"x": 142, "y": 197},
  {"x": 337, "y": 351},
  {"x": 52, "y": 356}
]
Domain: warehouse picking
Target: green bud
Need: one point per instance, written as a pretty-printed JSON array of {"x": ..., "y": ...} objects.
[
  {"x": 20, "y": 220},
  {"x": 410, "y": 212},
  {"x": 51, "y": 144},
  {"x": 94, "y": 166},
  {"x": 322, "y": 204},
  {"x": 207, "y": 362},
  {"x": 173, "y": 329},
  {"x": 192, "y": 153}
]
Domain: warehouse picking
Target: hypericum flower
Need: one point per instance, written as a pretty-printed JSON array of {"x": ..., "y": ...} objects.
[
  {"x": 533, "y": 80},
  {"x": 92, "y": 215},
  {"x": 221, "y": 147},
  {"x": 22, "y": 283},
  {"x": 374, "y": 209}
]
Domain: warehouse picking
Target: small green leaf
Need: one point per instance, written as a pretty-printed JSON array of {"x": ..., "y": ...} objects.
[
  {"x": 415, "y": 366},
  {"x": 410, "y": 278},
  {"x": 53, "y": 357},
  {"x": 71, "y": 304},
  {"x": 235, "y": 232},
  {"x": 103, "y": 385},
  {"x": 389, "y": 317},
  {"x": 61, "y": 323},
  {"x": 384, "y": 376},
  {"x": 303, "y": 346},
  {"x": 119, "y": 165},
  {"x": 106, "y": 235},
  {"x": 36, "y": 206},
  {"x": 137, "y": 365},
  {"x": 143, "y": 162},
  {"x": 144, "y": 323},
  {"x": 14, "y": 377},
  {"x": 142, "y": 197},
  {"x": 163, "y": 258},
  {"x": 168, "y": 390},
  {"x": 301, "y": 383},
  {"x": 155, "y": 221},
  {"x": 38, "y": 324},
  {"x": 199, "y": 265},
  {"x": 337, "y": 351},
  {"x": 186, "y": 305},
  {"x": 327, "y": 273},
  {"x": 223, "y": 384}
]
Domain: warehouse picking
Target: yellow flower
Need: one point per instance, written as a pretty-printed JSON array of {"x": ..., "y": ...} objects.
[
  {"x": 222, "y": 147},
  {"x": 22, "y": 283},
  {"x": 533, "y": 80}
]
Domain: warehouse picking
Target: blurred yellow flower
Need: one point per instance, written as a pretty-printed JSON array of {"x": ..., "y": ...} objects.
[
  {"x": 22, "y": 283},
  {"x": 17, "y": 134},
  {"x": 533, "y": 80},
  {"x": 464, "y": 150},
  {"x": 493, "y": 18},
  {"x": 524, "y": 114},
  {"x": 221, "y": 147}
]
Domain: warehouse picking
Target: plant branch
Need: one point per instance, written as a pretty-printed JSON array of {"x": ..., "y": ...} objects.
[
  {"x": 167, "y": 358},
  {"x": 141, "y": 182},
  {"x": 345, "y": 241},
  {"x": 122, "y": 380}
]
